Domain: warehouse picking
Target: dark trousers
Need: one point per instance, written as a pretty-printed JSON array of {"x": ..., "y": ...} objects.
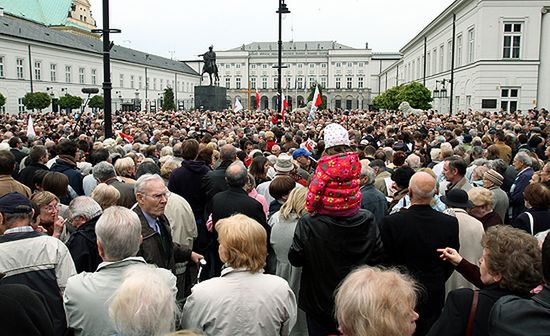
[{"x": 316, "y": 328}]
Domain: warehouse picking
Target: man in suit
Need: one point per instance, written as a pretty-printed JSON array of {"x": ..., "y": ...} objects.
[
  {"x": 235, "y": 200},
  {"x": 522, "y": 164},
  {"x": 214, "y": 181},
  {"x": 411, "y": 238}
]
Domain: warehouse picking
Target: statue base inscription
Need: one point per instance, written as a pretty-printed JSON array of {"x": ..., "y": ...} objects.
[{"x": 211, "y": 98}]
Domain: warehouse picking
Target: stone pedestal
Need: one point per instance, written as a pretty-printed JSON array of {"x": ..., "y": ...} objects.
[{"x": 211, "y": 98}]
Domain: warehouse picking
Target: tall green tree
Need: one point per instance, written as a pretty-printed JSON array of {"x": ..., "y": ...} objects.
[
  {"x": 389, "y": 99},
  {"x": 96, "y": 102},
  {"x": 37, "y": 100},
  {"x": 2, "y": 100},
  {"x": 323, "y": 105},
  {"x": 168, "y": 103},
  {"x": 70, "y": 102},
  {"x": 417, "y": 95}
]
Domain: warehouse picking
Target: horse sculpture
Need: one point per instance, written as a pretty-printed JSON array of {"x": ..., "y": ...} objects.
[{"x": 210, "y": 66}]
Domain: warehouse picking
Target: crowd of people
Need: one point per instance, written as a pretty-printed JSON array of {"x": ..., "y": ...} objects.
[{"x": 232, "y": 223}]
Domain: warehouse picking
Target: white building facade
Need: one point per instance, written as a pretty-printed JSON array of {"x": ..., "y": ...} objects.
[
  {"x": 497, "y": 54},
  {"x": 345, "y": 74},
  {"x": 36, "y": 58}
]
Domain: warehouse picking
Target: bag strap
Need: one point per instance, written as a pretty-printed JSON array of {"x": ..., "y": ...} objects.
[
  {"x": 472, "y": 317},
  {"x": 531, "y": 222}
]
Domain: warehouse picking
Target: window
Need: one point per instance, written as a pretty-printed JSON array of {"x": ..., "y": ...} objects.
[
  {"x": 360, "y": 82},
  {"x": 338, "y": 82},
  {"x": 288, "y": 82},
  {"x": 414, "y": 68},
  {"x": 264, "y": 83},
  {"x": 449, "y": 54},
  {"x": 21, "y": 106},
  {"x": 324, "y": 82},
  {"x": 349, "y": 64},
  {"x": 349, "y": 82},
  {"x": 312, "y": 65},
  {"x": 121, "y": 80},
  {"x": 238, "y": 65},
  {"x": 68, "y": 71},
  {"x": 300, "y": 65},
  {"x": 264, "y": 66},
  {"x": 338, "y": 64},
  {"x": 53, "y": 72},
  {"x": 132, "y": 81},
  {"x": 154, "y": 83},
  {"x": 275, "y": 82},
  {"x": 20, "y": 71},
  {"x": 161, "y": 84},
  {"x": 1, "y": 67},
  {"x": 468, "y": 102},
  {"x": 441, "y": 58},
  {"x": 228, "y": 82},
  {"x": 323, "y": 65},
  {"x": 300, "y": 84},
  {"x": 471, "y": 45},
  {"x": 509, "y": 99},
  {"x": 434, "y": 61},
  {"x": 311, "y": 81},
  {"x": 238, "y": 83},
  {"x": 428, "y": 64},
  {"x": 253, "y": 83},
  {"x": 37, "y": 70},
  {"x": 418, "y": 68},
  {"x": 512, "y": 40},
  {"x": 94, "y": 80},
  {"x": 81, "y": 75},
  {"x": 253, "y": 66},
  {"x": 140, "y": 82},
  {"x": 361, "y": 64},
  {"x": 227, "y": 66},
  {"x": 459, "y": 50}
]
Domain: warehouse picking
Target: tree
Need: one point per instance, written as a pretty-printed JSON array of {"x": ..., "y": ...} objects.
[
  {"x": 417, "y": 95},
  {"x": 96, "y": 102},
  {"x": 37, "y": 100},
  {"x": 2, "y": 100},
  {"x": 168, "y": 100},
  {"x": 389, "y": 100},
  {"x": 323, "y": 105},
  {"x": 70, "y": 102}
]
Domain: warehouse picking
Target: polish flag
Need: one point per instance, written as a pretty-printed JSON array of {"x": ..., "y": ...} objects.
[
  {"x": 257, "y": 100},
  {"x": 316, "y": 102},
  {"x": 126, "y": 137},
  {"x": 284, "y": 105},
  {"x": 30, "y": 128}
]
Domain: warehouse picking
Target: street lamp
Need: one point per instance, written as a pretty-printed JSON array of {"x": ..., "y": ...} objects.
[{"x": 283, "y": 9}]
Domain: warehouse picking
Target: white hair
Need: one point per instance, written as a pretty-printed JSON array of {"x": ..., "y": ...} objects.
[
  {"x": 119, "y": 232},
  {"x": 143, "y": 180},
  {"x": 84, "y": 206},
  {"x": 144, "y": 304}
]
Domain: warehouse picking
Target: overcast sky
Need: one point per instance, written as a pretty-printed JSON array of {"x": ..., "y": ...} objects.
[{"x": 188, "y": 27}]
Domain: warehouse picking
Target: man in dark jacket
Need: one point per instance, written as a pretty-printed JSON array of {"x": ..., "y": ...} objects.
[
  {"x": 232, "y": 201},
  {"x": 157, "y": 246},
  {"x": 411, "y": 238},
  {"x": 372, "y": 199},
  {"x": 214, "y": 182},
  {"x": 38, "y": 158},
  {"x": 15, "y": 148},
  {"x": 522, "y": 164},
  {"x": 84, "y": 213},
  {"x": 66, "y": 164},
  {"x": 104, "y": 172}
]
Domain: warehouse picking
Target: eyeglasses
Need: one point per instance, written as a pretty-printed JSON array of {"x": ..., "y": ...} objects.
[
  {"x": 51, "y": 208},
  {"x": 159, "y": 197}
]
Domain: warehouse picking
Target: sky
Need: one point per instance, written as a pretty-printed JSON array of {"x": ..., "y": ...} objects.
[{"x": 182, "y": 29}]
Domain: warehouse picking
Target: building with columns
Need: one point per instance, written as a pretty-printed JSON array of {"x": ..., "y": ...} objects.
[
  {"x": 346, "y": 74},
  {"x": 480, "y": 55}
]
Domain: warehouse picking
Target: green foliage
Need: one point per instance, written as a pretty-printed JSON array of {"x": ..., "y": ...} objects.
[
  {"x": 70, "y": 102},
  {"x": 96, "y": 102},
  {"x": 37, "y": 100},
  {"x": 415, "y": 93},
  {"x": 2, "y": 100},
  {"x": 323, "y": 105},
  {"x": 168, "y": 103}
]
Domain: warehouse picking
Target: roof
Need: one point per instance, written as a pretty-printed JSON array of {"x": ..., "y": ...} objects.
[
  {"x": 46, "y": 12},
  {"x": 292, "y": 45},
  {"x": 22, "y": 29}
]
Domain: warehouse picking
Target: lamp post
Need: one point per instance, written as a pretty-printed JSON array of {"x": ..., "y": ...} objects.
[
  {"x": 283, "y": 9},
  {"x": 107, "y": 85},
  {"x": 146, "y": 84}
]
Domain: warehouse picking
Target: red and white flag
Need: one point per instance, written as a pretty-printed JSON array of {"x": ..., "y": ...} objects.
[
  {"x": 284, "y": 105},
  {"x": 315, "y": 103},
  {"x": 257, "y": 100},
  {"x": 30, "y": 128}
]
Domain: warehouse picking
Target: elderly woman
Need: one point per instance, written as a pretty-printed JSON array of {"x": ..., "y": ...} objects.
[
  {"x": 270, "y": 305},
  {"x": 49, "y": 213},
  {"x": 283, "y": 223},
  {"x": 510, "y": 265},
  {"x": 537, "y": 217},
  {"x": 400, "y": 177},
  {"x": 126, "y": 169},
  {"x": 373, "y": 301},
  {"x": 144, "y": 304},
  {"x": 482, "y": 209},
  {"x": 105, "y": 195}
]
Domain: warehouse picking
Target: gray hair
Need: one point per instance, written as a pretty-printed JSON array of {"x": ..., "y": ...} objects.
[
  {"x": 119, "y": 232},
  {"x": 525, "y": 158},
  {"x": 84, "y": 206},
  {"x": 228, "y": 153},
  {"x": 236, "y": 174},
  {"x": 143, "y": 180},
  {"x": 368, "y": 172},
  {"x": 413, "y": 161},
  {"x": 103, "y": 171}
]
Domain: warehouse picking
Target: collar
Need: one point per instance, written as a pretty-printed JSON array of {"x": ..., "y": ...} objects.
[
  {"x": 110, "y": 264},
  {"x": 151, "y": 220},
  {"x": 366, "y": 187},
  {"x": 19, "y": 229},
  {"x": 228, "y": 270},
  {"x": 524, "y": 169}
]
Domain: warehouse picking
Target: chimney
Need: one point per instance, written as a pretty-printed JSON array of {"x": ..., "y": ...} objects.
[
  {"x": 367, "y": 45},
  {"x": 1, "y": 11}
]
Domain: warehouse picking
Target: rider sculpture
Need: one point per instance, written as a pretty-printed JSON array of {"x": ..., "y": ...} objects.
[{"x": 210, "y": 66}]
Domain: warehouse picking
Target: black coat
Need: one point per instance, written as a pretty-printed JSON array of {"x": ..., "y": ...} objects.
[
  {"x": 19, "y": 155},
  {"x": 212, "y": 183},
  {"x": 454, "y": 317},
  {"x": 27, "y": 174},
  {"x": 83, "y": 247},
  {"x": 72, "y": 172},
  {"x": 541, "y": 220},
  {"x": 186, "y": 182},
  {"x": 411, "y": 238},
  {"x": 328, "y": 248}
]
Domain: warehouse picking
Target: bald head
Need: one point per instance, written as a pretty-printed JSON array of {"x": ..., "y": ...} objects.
[
  {"x": 422, "y": 188},
  {"x": 228, "y": 152}
]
